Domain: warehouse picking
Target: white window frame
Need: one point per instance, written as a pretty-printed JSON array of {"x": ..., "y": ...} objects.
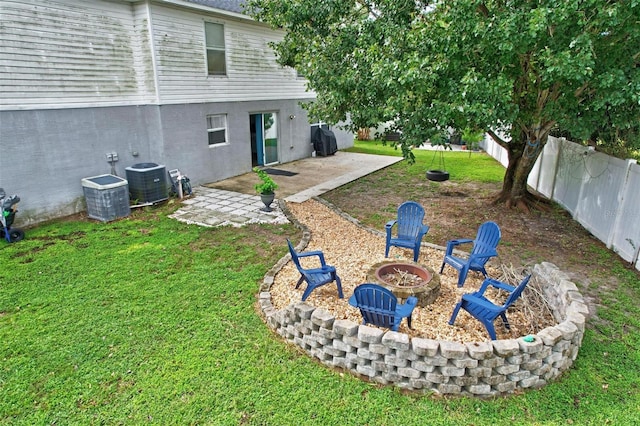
[
  {"x": 213, "y": 127},
  {"x": 218, "y": 48}
]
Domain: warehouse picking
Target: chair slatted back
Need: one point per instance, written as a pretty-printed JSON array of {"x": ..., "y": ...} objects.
[
  {"x": 487, "y": 239},
  {"x": 377, "y": 304},
  {"x": 516, "y": 292},
  {"x": 410, "y": 216},
  {"x": 294, "y": 255}
]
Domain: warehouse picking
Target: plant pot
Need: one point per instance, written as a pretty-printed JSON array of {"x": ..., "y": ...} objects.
[
  {"x": 267, "y": 199},
  {"x": 437, "y": 175}
]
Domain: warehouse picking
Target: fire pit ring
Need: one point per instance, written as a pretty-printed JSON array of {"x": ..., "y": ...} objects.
[{"x": 426, "y": 290}]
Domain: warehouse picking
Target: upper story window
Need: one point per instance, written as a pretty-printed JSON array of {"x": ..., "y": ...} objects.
[
  {"x": 217, "y": 129},
  {"x": 216, "y": 61}
]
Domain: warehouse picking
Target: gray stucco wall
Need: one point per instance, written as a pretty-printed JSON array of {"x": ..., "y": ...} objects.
[{"x": 46, "y": 153}]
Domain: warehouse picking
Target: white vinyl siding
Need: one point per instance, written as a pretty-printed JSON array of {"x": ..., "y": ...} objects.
[
  {"x": 70, "y": 52},
  {"x": 251, "y": 69}
]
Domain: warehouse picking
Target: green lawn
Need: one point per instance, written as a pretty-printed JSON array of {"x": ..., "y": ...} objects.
[{"x": 147, "y": 320}]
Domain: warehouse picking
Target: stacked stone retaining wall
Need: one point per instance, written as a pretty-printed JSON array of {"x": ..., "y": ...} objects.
[{"x": 480, "y": 369}]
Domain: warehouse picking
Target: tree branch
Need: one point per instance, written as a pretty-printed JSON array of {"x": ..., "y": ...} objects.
[{"x": 498, "y": 139}]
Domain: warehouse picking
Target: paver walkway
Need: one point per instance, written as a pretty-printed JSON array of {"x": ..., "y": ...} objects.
[
  {"x": 234, "y": 202},
  {"x": 218, "y": 207}
]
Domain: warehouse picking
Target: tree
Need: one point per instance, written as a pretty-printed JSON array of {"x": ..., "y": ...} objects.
[{"x": 516, "y": 69}]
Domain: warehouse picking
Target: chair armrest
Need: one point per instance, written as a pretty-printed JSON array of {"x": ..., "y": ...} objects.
[
  {"x": 352, "y": 301},
  {"x": 453, "y": 243},
  {"x": 494, "y": 283},
  {"x": 491, "y": 253},
  {"x": 470, "y": 297},
  {"x": 317, "y": 253},
  {"x": 423, "y": 231},
  {"x": 390, "y": 223}
]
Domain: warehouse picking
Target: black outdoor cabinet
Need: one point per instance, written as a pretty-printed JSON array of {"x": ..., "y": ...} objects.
[{"x": 324, "y": 142}]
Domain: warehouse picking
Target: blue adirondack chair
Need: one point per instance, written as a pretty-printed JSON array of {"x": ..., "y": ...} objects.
[
  {"x": 484, "y": 248},
  {"x": 410, "y": 229},
  {"x": 485, "y": 310},
  {"x": 380, "y": 307},
  {"x": 315, "y": 277}
]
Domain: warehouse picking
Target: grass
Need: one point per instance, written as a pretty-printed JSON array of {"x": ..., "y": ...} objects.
[{"x": 150, "y": 321}]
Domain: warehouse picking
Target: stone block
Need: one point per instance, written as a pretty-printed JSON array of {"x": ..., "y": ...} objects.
[
  {"x": 464, "y": 363},
  {"x": 577, "y": 308},
  {"x": 422, "y": 366},
  {"x": 340, "y": 345},
  {"x": 531, "y": 365},
  {"x": 420, "y": 383},
  {"x": 494, "y": 362},
  {"x": 542, "y": 370},
  {"x": 436, "y": 360},
  {"x": 425, "y": 347},
  {"x": 365, "y": 370},
  {"x": 327, "y": 333},
  {"x": 453, "y": 350},
  {"x": 345, "y": 328},
  {"x": 517, "y": 359},
  {"x": 370, "y": 334},
  {"x": 409, "y": 372},
  {"x": 391, "y": 359},
  {"x": 367, "y": 354},
  {"x": 550, "y": 336},
  {"x": 303, "y": 310},
  {"x": 507, "y": 369},
  {"x": 381, "y": 366},
  {"x": 379, "y": 348},
  {"x": 465, "y": 380},
  {"x": 579, "y": 320},
  {"x": 568, "y": 330},
  {"x": 494, "y": 380},
  {"x": 520, "y": 375},
  {"x": 395, "y": 340},
  {"x": 478, "y": 389},
  {"x": 334, "y": 352},
  {"x": 480, "y": 350},
  {"x": 506, "y": 387},
  {"x": 451, "y": 371},
  {"x": 562, "y": 346},
  {"x": 530, "y": 347},
  {"x": 353, "y": 341},
  {"x": 528, "y": 382},
  {"x": 322, "y": 318},
  {"x": 436, "y": 378},
  {"x": 566, "y": 286},
  {"x": 505, "y": 348},
  {"x": 479, "y": 372},
  {"x": 408, "y": 355},
  {"x": 449, "y": 388}
]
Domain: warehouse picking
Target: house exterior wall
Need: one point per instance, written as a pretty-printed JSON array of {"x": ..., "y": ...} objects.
[{"x": 82, "y": 79}]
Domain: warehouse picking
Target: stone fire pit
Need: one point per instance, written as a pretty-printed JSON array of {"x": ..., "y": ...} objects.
[{"x": 407, "y": 279}]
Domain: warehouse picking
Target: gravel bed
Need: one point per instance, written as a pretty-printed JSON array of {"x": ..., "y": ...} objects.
[{"x": 353, "y": 250}]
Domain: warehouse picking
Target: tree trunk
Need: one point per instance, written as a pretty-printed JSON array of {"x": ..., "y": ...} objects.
[{"x": 522, "y": 155}]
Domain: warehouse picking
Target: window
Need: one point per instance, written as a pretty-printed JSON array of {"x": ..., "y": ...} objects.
[
  {"x": 217, "y": 129},
  {"x": 216, "y": 62}
]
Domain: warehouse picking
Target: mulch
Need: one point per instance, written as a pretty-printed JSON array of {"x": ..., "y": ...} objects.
[{"x": 353, "y": 250}]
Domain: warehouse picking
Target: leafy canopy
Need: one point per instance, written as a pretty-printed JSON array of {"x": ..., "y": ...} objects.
[{"x": 521, "y": 66}]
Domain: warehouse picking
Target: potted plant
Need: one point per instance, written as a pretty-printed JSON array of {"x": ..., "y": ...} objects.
[{"x": 266, "y": 188}]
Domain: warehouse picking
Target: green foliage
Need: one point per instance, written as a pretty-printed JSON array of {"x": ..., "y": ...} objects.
[
  {"x": 520, "y": 67},
  {"x": 267, "y": 184}
]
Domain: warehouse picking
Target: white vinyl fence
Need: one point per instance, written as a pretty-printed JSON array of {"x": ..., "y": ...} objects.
[{"x": 601, "y": 192}]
